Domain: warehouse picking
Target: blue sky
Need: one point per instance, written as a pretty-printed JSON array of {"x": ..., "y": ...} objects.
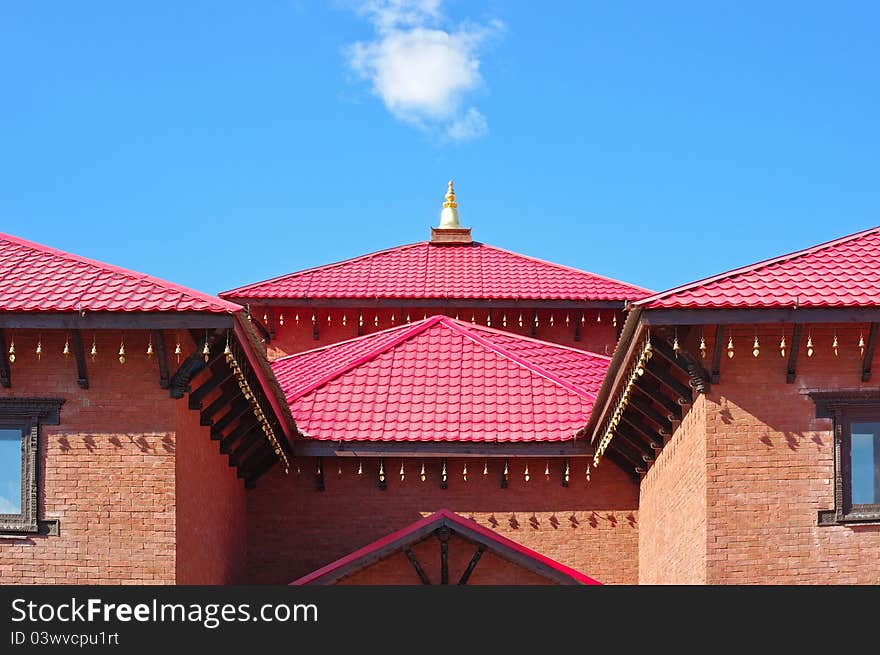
[{"x": 218, "y": 143}]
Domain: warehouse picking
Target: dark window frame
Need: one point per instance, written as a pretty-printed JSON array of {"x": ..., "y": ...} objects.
[
  {"x": 844, "y": 408},
  {"x": 28, "y": 414}
]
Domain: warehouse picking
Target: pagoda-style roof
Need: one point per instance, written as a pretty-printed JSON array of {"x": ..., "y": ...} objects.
[
  {"x": 37, "y": 278},
  {"x": 840, "y": 273},
  {"x": 441, "y": 380},
  {"x": 433, "y": 271},
  {"x": 446, "y": 525}
]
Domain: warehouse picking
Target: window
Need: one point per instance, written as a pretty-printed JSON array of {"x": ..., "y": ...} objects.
[
  {"x": 20, "y": 420},
  {"x": 856, "y": 417}
]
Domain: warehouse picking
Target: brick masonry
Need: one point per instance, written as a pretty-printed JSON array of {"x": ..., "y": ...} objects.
[
  {"x": 294, "y": 529},
  {"x": 108, "y": 472}
]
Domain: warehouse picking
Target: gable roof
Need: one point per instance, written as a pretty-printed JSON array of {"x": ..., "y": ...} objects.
[
  {"x": 441, "y": 380},
  {"x": 427, "y": 270},
  {"x": 37, "y": 278},
  {"x": 844, "y": 272},
  {"x": 470, "y": 530}
]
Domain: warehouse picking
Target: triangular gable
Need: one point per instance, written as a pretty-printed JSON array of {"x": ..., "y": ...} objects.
[{"x": 454, "y": 526}]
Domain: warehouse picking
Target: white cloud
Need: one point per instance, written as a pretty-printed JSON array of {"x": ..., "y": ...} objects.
[{"x": 422, "y": 72}]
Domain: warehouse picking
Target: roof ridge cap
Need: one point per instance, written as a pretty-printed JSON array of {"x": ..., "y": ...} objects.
[
  {"x": 226, "y": 305},
  {"x": 644, "y": 302},
  {"x": 321, "y": 267},
  {"x": 458, "y": 326},
  {"x": 414, "y": 329}
]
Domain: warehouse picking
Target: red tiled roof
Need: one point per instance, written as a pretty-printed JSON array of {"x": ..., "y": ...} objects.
[
  {"x": 426, "y": 270},
  {"x": 843, "y": 272},
  {"x": 466, "y": 528},
  {"x": 36, "y": 278},
  {"x": 441, "y": 380}
]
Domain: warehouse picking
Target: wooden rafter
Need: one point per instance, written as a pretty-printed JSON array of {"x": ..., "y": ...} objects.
[
  {"x": 418, "y": 567},
  {"x": 791, "y": 369},
  {"x": 685, "y": 362},
  {"x": 472, "y": 565},
  {"x": 869, "y": 352},
  {"x": 218, "y": 378},
  {"x": 236, "y": 410},
  {"x": 717, "y": 350},
  {"x": 662, "y": 422},
  {"x": 443, "y": 536},
  {"x": 665, "y": 378},
  {"x": 674, "y": 410},
  {"x": 228, "y": 393},
  {"x": 82, "y": 371},
  {"x": 161, "y": 358}
]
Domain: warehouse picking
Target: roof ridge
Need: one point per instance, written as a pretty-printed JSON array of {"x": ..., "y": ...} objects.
[
  {"x": 461, "y": 327},
  {"x": 565, "y": 267},
  {"x": 322, "y": 267},
  {"x": 644, "y": 302},
  {"x": 414, "y": 329},
  {"x": 226, "y": 305}
]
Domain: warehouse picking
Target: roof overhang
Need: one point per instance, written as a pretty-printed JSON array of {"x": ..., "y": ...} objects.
[{"x": 322, "y": 448}]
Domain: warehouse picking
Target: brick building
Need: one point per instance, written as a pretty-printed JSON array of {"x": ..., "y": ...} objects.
[{"x": 441, "y": 412}]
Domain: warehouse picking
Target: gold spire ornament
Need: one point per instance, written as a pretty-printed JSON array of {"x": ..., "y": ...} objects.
[
  {"x": 730, "y": 347},
  {"x": 834, "y": 345},
  {"x": 449, "y": 215},
  {"x": 756, "y": 347},
  {"x": 809, "y": 345},
  {"x": 782, "y": 346},
  {"x": 121, "y": 351}
]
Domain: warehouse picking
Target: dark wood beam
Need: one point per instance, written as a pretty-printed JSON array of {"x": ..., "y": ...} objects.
[
  {"x": 228, "y": 393},
  {"x": 635, "y": 445},
  {"x": 244, "y": 426},
  {"x": 251, "y": 440},
  {"x": 647, "y": 437},
  {"x": 82, "y": 372},
  {"x": 114, "y": 320},
  {"x": 665, "y": 378},
  {"x": 463, "y": 580},
  {"x": 5, "y": 377},
  {"x": 751, "y": 316},
  {"x": 645, "y": 409},
  {"x": 236, "y": 410},
  {"x": 629, "y": 452},
  {"x": 791, "y": 369},
  {"x": 422, "y": 449},
  {"x": 623, "y": 463},
  {"x": 443, "y": 536},
  {"x": 717, "y": 350},
  {"x": 685, "y": 362},
  {"x": 260, "y": 328},
  {"x": 161, "y": 358},
  {"x": 257, "y": 468},
  {"x": 195, "y": 363},
  {"x": 220, "y": 377},
  {"x": 418, "y": 567},
  {"x": 870, "y": 347},
  {"x": 446, "y": 303},
  {"x": 653, "y": 392}
]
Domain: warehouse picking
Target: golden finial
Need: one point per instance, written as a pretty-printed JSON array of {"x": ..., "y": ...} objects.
[
  {"x": 449, "y": 215},
  {"x": 450, "y": 197}
]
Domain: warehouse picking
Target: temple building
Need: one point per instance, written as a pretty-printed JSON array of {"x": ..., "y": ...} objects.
[{"x": 442, "y": 412}]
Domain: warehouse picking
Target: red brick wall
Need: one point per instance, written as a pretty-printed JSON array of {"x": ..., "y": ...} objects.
[
  {"x": 211, "y": 505},
  {"x": 396, "y": 569},
  {"x": 294, "y": 529},
  {"x": 297, "y": 335},
  {"x": 108, "y": 473},
  {"x": 770, "y": 469},
  {"x": 672, "y": 507}
]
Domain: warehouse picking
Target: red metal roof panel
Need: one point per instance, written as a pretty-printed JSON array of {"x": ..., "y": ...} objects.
[{"x": 426, "y": 270}]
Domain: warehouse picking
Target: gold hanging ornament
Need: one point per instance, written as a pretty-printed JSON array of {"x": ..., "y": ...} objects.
[
  {"x": 809, "y": 345},
  {"x": 314, "y": 318},
  {"x": 756, "y": 347},
  {"x": 583, "y": 319},
  {"x": 861, "y": 344},
  {"x": 834, "y": 346},
  {"x": 281, "y": 320},
  {"x": 402, "y": 472},
  {"x": 567, "y": 320},
  {"x": 339, "y": 470},
  {"x": 547, "y": 470},
  {"x": 588, "y": 471},
  {"x": 407, "y": 318},
  {"x": 526, "y": 473},
  {"x": 730, "y": 347},
  {"x": 12, "y": 351},
  {"x": 121, "y": 351},
  {"x": 551, "y": 320},
  {"x": 39, "y": 348},
  {"x": 227, "y": 351},
  {"x": 464, "y": 472},
  {"x": 296, "y": 318},
  {"x": 66, "y": 351},
  {"x": 150, "y": 345},
  {"x": 206, "y": 351},
  {"x": 702, "y": 347},
  {"x": 376, "y": 320},
  {"x": 489, "y": 319},
  {"x": 473, "y": 319},
  {"x": 422, "y": 475},
  {"x": 676, "y": 347},
  {"x": 598, "y": 317},
  {"x": 178, "y": 351},
  {"x": 360, "y": 467},
  {"x": 344, "y": 320},
  {"x": 566, "y": 473},
  {"x": 614, "y": 320},
  {"x": 485, "y": 467},
  {"x": 782, "y": 346},
  {"x": 328, "y": 318},
  {"x": 381, "y": 471},
  {"x": 94, "y": 351},
  {"x": 520, "y": 320},
  {"x": 504, "y": 320},
  {"x": 443, "y": 473}
]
